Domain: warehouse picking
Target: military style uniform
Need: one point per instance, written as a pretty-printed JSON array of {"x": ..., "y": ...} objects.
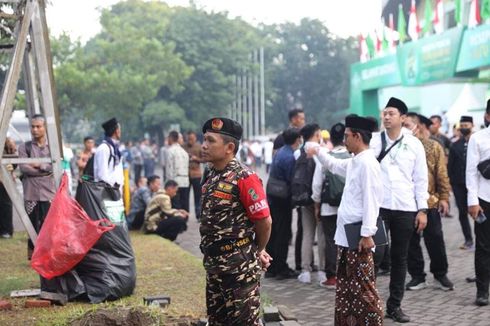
[{"x": 231, "y": 200}]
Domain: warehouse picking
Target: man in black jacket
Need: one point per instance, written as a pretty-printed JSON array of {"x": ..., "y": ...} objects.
[{"x": 456, "y": 172}]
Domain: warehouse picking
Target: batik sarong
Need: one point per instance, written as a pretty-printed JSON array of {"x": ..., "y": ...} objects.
[{"x": 357, "y": 302}]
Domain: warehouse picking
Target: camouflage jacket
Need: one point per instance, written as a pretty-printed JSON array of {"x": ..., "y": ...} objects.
[
  {"x": 159, "y": 207},
  {"x": 231, "y": 200}
]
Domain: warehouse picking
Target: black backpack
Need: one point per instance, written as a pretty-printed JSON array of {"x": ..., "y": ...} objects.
[
  {"x": 88, "y": 172},
  {"x": 333, "y": 184},
  {"x": 303, "y": 178}
]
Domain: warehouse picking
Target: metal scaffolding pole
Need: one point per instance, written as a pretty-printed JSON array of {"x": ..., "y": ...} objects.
[
  {"x": 238, "y": 93},
  {"x": 256, "y": 93},
  {"x": 234, "y": 104},
  {"x": 250, "y": 107},
  {"x": 39, "y": 82},
  {"x": 262, "y": 93},
  {"x": 244, "y": 104}
]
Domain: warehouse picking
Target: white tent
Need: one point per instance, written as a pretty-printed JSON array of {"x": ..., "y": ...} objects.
[{"x": 466, "y": 101}]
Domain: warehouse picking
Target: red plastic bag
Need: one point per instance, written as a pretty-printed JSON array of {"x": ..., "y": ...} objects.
[{"x": 66, "y": 236}]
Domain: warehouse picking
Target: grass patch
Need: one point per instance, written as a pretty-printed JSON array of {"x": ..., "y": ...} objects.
[{"x": 162, "y": 268}]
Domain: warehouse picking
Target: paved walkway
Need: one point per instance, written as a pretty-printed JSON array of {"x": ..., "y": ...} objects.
[{"x": 314, "y": 305}]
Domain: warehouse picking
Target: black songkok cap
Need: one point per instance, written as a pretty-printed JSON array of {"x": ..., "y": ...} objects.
[
  {"x": 110, "y": 126},
  {"x": 357, "y": 122},
  {"x": 223, "y": 126},
  {"x": 337, "y": 131},
  {"x": 426, "y": 121},
  {"x": 397, "y": 104},
  {"x": 466, "y": 118}
]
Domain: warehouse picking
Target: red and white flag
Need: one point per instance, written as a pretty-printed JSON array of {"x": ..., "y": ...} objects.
[
  {"x": 363, "y": 49},
  {"x": 379, "y": 43},
  {"x": 475, "y": 18},
  {"x": 439, "y": 17},
  {"x": 413, "y": 23},
  {"x": 392, "y": 36}
]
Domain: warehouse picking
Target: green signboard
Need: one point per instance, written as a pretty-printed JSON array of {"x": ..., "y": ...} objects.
[
  {"x": 475, "y": 49},
  {"x": 376, "y": 73},
  {"x": 429, "y": 59}
]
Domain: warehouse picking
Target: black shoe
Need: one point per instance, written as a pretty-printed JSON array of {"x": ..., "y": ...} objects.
[
  {"x": 397, "y": 315},
  {"x": 471, "y": 279},
  {"x": 287, "y": 274},
  {"x": 416, "y": 284},
  {"x": 269, "y": 274},
  {"x": 444, "y": 283},
  {"x": 481, "y": 301}
]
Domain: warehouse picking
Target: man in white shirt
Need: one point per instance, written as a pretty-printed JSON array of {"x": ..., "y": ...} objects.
[
  {"x": 108, "y": 165},
  {"x": 325, "y": 212},
  {"x": 177, "y": 169},
  {"x": 357, "y": 301},
  {"x": 479, "y": 205},
  {"x": 405, "y": 180},
  {"x": 306, "y": 170},
  {"x": 268, "y": 151}
]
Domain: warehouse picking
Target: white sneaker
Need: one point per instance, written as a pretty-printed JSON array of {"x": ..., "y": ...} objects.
[
  {"x": 304, "y": 277},
  {"x": 322, "y": 277}
]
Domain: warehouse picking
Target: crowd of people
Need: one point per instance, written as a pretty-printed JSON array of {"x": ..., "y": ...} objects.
[
  {"x": 392, "y": 185},
  {"x": 403, "y": 175}
]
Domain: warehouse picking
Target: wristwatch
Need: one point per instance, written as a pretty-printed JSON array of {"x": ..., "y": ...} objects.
[{"x": 424, "y": 210}]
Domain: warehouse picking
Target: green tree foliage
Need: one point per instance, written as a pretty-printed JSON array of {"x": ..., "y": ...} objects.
[
  {"x": 215, "y": 47},
  {"x": 308, "y": 67},
  {"x": 152, "y": 66}
]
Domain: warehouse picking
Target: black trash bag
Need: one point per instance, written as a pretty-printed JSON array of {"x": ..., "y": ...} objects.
[
  {"x": 69, "y": 285},
  {"x": 108, "y": 270}
]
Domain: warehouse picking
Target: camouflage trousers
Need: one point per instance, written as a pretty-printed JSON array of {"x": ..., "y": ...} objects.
[{"x": 233, "y": 299}]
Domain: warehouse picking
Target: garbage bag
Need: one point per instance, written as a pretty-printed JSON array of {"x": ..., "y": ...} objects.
[
  {"x": 66, "y": 236},
  {"x": 108, "y": 270},
  {"x": 68, "y": 286}
]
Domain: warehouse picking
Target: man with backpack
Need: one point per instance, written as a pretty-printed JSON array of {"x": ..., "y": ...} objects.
[
  {"x": 327, "y": 191},
  {"x": 297, "y": 120},
  {"x": 301, "y": 191},
  {"x": 282, "y": 171},
  {"x": 107, "y": 159}
]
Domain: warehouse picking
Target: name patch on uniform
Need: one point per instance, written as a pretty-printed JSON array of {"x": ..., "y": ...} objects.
[
  {"x": 225, "y": 187},
  {"x": 258, "y": 206},
  {"x": 222, "y": 195}
]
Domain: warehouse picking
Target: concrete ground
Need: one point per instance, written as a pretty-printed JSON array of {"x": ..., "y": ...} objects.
[{"x": 314, "y": 305}]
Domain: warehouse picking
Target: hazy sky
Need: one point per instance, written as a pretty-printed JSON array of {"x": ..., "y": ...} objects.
[{"x": 79, "y": 18}]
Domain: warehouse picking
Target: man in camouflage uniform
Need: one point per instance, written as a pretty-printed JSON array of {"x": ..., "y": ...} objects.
[{"x": 235, "y": 228}]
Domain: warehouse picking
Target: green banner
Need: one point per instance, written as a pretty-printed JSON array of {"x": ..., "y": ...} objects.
[
  {"x": 475, "y": 49},
  {"x": 429, "y": 59},
  {"x": 376, "y": 73}
]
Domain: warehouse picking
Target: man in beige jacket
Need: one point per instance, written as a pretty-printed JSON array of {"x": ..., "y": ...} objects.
[{"x": 160, "y": 217}]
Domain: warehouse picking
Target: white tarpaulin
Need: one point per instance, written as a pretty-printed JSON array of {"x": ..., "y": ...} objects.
[{"x": 465, "y": 102}]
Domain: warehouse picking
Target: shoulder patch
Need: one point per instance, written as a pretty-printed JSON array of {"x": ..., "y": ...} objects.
[
  {"x": 225, "y": 187},
  {"x": 253, "y": 194}
]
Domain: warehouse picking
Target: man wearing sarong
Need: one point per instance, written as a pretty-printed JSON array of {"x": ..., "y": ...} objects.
[{"x": 357, "y": 301}]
